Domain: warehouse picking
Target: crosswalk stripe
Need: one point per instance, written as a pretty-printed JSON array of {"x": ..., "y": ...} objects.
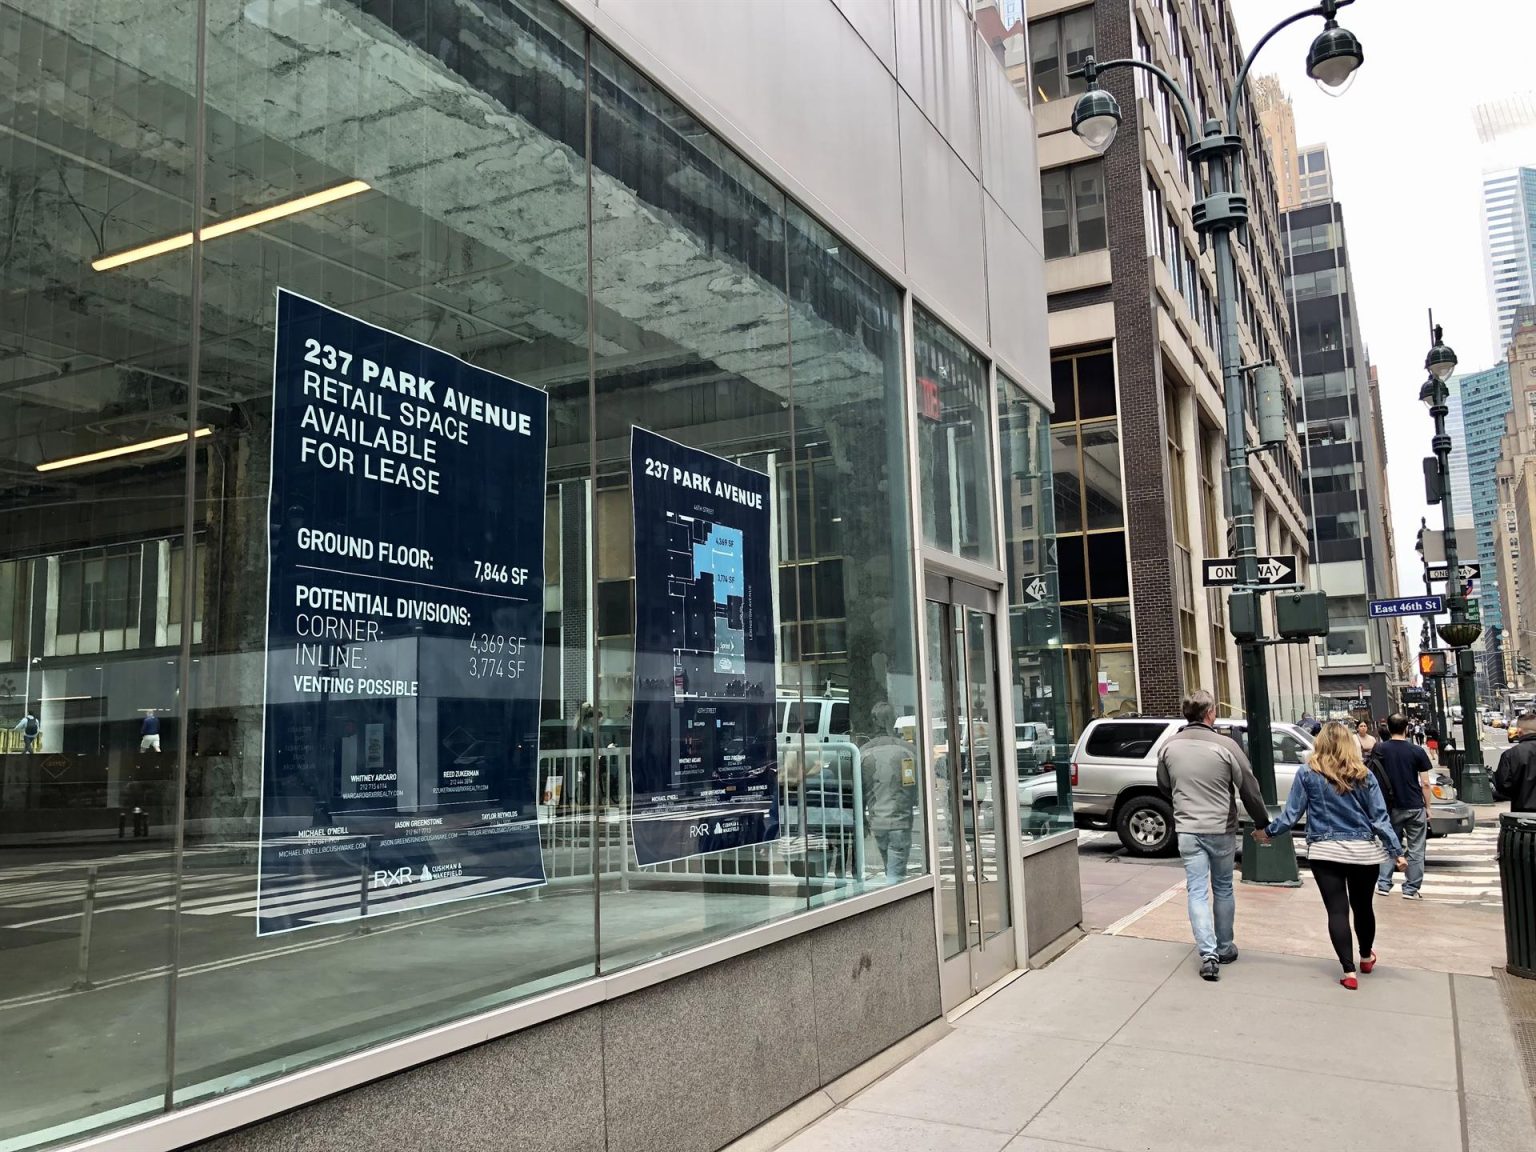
[{"x": 406, "y": 904}]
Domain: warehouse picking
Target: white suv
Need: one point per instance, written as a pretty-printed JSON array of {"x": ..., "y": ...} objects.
[{"x": 1114, "y": 776}]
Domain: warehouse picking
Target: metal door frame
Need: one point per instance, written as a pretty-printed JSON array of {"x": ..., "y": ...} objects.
[{"x": 981, "y": 963}]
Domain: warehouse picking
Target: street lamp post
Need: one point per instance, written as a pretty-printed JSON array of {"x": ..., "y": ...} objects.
[
  {"x": 1460, "y": 633},
  {"x": 1221, "y": 208}
]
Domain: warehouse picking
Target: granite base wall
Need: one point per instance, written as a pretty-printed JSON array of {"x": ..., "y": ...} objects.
[
  {"x": 685, "y": 1066},
  {"x": 1053, "y": 895}
]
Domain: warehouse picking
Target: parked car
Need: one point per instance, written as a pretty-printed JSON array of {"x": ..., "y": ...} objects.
[{"x": 1114, "y": 779}]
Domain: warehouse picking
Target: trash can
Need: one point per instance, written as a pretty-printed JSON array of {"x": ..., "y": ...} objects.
[
  {"x": 1452, "y": 760},
  {"x": 1517, "y": 879}
]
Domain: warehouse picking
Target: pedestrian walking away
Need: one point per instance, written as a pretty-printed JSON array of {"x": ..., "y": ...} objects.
[
  {"x": 1406, "y": 788},
  {"x": 149, "y": 733},
  {"x": 1348, "y": 838},
  {"x": 29, "y": 730},
  {"x": 1204, "y": 773},
  {"x": 1515, "y": 777}
]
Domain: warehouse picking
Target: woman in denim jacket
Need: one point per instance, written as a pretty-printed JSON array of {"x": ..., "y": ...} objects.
[{"x": 1348, "y": 837}]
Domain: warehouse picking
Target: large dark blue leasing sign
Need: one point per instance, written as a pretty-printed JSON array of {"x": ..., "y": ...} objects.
[
  {"x": 405, "y": 602},
  {"x": 705, "y": 762}
]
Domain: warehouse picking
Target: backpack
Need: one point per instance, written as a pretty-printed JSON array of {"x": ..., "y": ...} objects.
[{"x": 31, "y": 728}]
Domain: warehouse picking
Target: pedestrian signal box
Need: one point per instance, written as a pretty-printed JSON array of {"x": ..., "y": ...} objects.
[{"x": 1431, "y": 663}]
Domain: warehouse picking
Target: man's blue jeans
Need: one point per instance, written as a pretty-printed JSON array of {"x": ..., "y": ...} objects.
[
  {"x": 1208, "y": 872},
  {"x": 895, "y": 844},
  {"x": 1412, "y": 828}
]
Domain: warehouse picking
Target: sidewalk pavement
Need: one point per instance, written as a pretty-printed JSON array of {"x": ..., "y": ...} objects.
[
  {"x": 1422, "y": 934},
  {"x": 1119, "y": 1046}
]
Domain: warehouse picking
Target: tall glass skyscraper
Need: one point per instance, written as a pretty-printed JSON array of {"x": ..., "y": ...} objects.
[
  {"x": 1485, "y": 400},
  {"x": 1509, "y": 246}
]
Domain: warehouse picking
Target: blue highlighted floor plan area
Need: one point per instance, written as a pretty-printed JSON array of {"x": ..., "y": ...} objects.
[{"x": 706, "y": 583}]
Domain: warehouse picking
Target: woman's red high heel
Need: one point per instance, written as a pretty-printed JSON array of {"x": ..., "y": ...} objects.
[{"x": 1368, "y": 962}]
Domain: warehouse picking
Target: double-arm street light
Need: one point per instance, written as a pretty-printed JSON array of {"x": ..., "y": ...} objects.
[
  {"x": 1222, "y": 207},
  {"x": 1460, "y": 633}
]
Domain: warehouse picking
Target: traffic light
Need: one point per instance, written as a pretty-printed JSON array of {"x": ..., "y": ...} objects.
[{"x": 1431, "y": 664}]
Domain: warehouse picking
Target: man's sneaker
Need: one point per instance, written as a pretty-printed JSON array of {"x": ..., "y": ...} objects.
[
  {"x": 1210, "y": 968},
  {"x": 1380, "y": 891},
  {"x": 1412, "y": 896},
  {"x": 1227, "y": 957}
]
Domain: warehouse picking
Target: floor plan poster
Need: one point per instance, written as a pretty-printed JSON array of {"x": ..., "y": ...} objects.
[
  {"x": 405, "y": 619},
  {"x": 705, "y": 770}
]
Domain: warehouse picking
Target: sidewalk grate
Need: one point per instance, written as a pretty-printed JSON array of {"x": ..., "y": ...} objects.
[{"x": 1520, "y": 1003}]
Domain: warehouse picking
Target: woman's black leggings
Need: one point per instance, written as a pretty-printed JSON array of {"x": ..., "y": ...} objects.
[{"x": 1345, "y": 887}]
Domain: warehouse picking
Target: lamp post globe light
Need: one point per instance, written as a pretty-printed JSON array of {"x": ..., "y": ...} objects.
[
  {"x": 1221, "y": 207},
  {"x": 1460, "y": 633}
]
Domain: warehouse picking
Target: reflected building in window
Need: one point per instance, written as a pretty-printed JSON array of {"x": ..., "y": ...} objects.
[
  {"x": 367, "y": 698},
  {"x": 1137, "y": 429}
]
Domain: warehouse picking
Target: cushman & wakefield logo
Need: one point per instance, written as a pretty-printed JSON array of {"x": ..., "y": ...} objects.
[{"x": 719, "y": 828}]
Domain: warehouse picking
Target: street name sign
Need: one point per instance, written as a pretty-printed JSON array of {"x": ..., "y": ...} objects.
[
  {"x": 1276, "y": 570},
  {"x": 1413, "y": 606},
  {"x": 1468, "y": 571}
]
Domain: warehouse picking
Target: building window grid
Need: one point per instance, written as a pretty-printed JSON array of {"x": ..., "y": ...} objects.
[{"x": 1092, "y": 609}]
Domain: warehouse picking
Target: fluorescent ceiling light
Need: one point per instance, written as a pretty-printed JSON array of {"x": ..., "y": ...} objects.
[
  {"x": 233, "y": 224},
  {"x": 123, "y": 450}
]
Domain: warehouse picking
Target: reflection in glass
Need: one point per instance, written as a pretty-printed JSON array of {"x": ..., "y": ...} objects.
[
  {"x": 1104, "y": 504},
  {"x": 92, "y": 555},
  {"x": 1045, "y": 65},
  {"x": 954, "y": 448},
  {"x": 1057, "y": 220},
  {"x": 845, "y": 332},
  {"x": 951, "y": 866},
  {"x": 1066, "y": 482},
  {"x": 1041, "y": 735},
  {"x": 984, "y": 768},
  {"x": 1088, "y": 207},
  {"x": 467, "y": 241}
]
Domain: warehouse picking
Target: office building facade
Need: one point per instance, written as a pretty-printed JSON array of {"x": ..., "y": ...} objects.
[
  {"x": 1139, "y": 445},
  {"x": 1509, "y": 246},
  {"x": 1345, "y": 462},
  {"x": 1303, "y": 173},
  {"x": 525, "y": 550},
  {"x": 1485, "y": 402},
  {"x": 1515, "y": 476}
]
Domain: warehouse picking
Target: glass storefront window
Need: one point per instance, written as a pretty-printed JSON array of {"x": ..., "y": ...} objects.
[
  {"x": 1042, "y": 733},
  {"x": 497, "y": 198},
  {"x": 90, "y": 665},
  {"x": 954, "y": 446}
]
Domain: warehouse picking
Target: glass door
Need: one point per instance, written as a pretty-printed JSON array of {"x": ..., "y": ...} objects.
[{"x": 970, "y": 756}]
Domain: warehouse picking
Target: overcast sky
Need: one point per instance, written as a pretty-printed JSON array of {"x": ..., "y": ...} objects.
[{"x": 1407, "y": 166}]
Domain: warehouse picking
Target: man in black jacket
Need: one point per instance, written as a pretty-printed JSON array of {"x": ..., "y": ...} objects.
[{"x": 1515, "y": 777}]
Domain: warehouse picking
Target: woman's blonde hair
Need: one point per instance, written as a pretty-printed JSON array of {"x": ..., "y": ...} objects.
[{"x": 1337, "y": 756}]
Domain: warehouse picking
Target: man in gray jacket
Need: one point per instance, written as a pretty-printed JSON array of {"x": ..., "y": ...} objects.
[
  {"x": 1204, "y": 772},
  {"x": 889, "y": 766}
]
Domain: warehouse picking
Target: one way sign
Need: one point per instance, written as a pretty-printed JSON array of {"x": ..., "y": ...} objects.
[
  {"x": 1468, "y": 571},
  {"x": 1275, "y": 570}
]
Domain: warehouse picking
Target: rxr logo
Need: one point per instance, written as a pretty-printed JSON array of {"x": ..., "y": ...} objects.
[
  {"x": 389, "y": 878},
  {"x": 697, "y": 830}
]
